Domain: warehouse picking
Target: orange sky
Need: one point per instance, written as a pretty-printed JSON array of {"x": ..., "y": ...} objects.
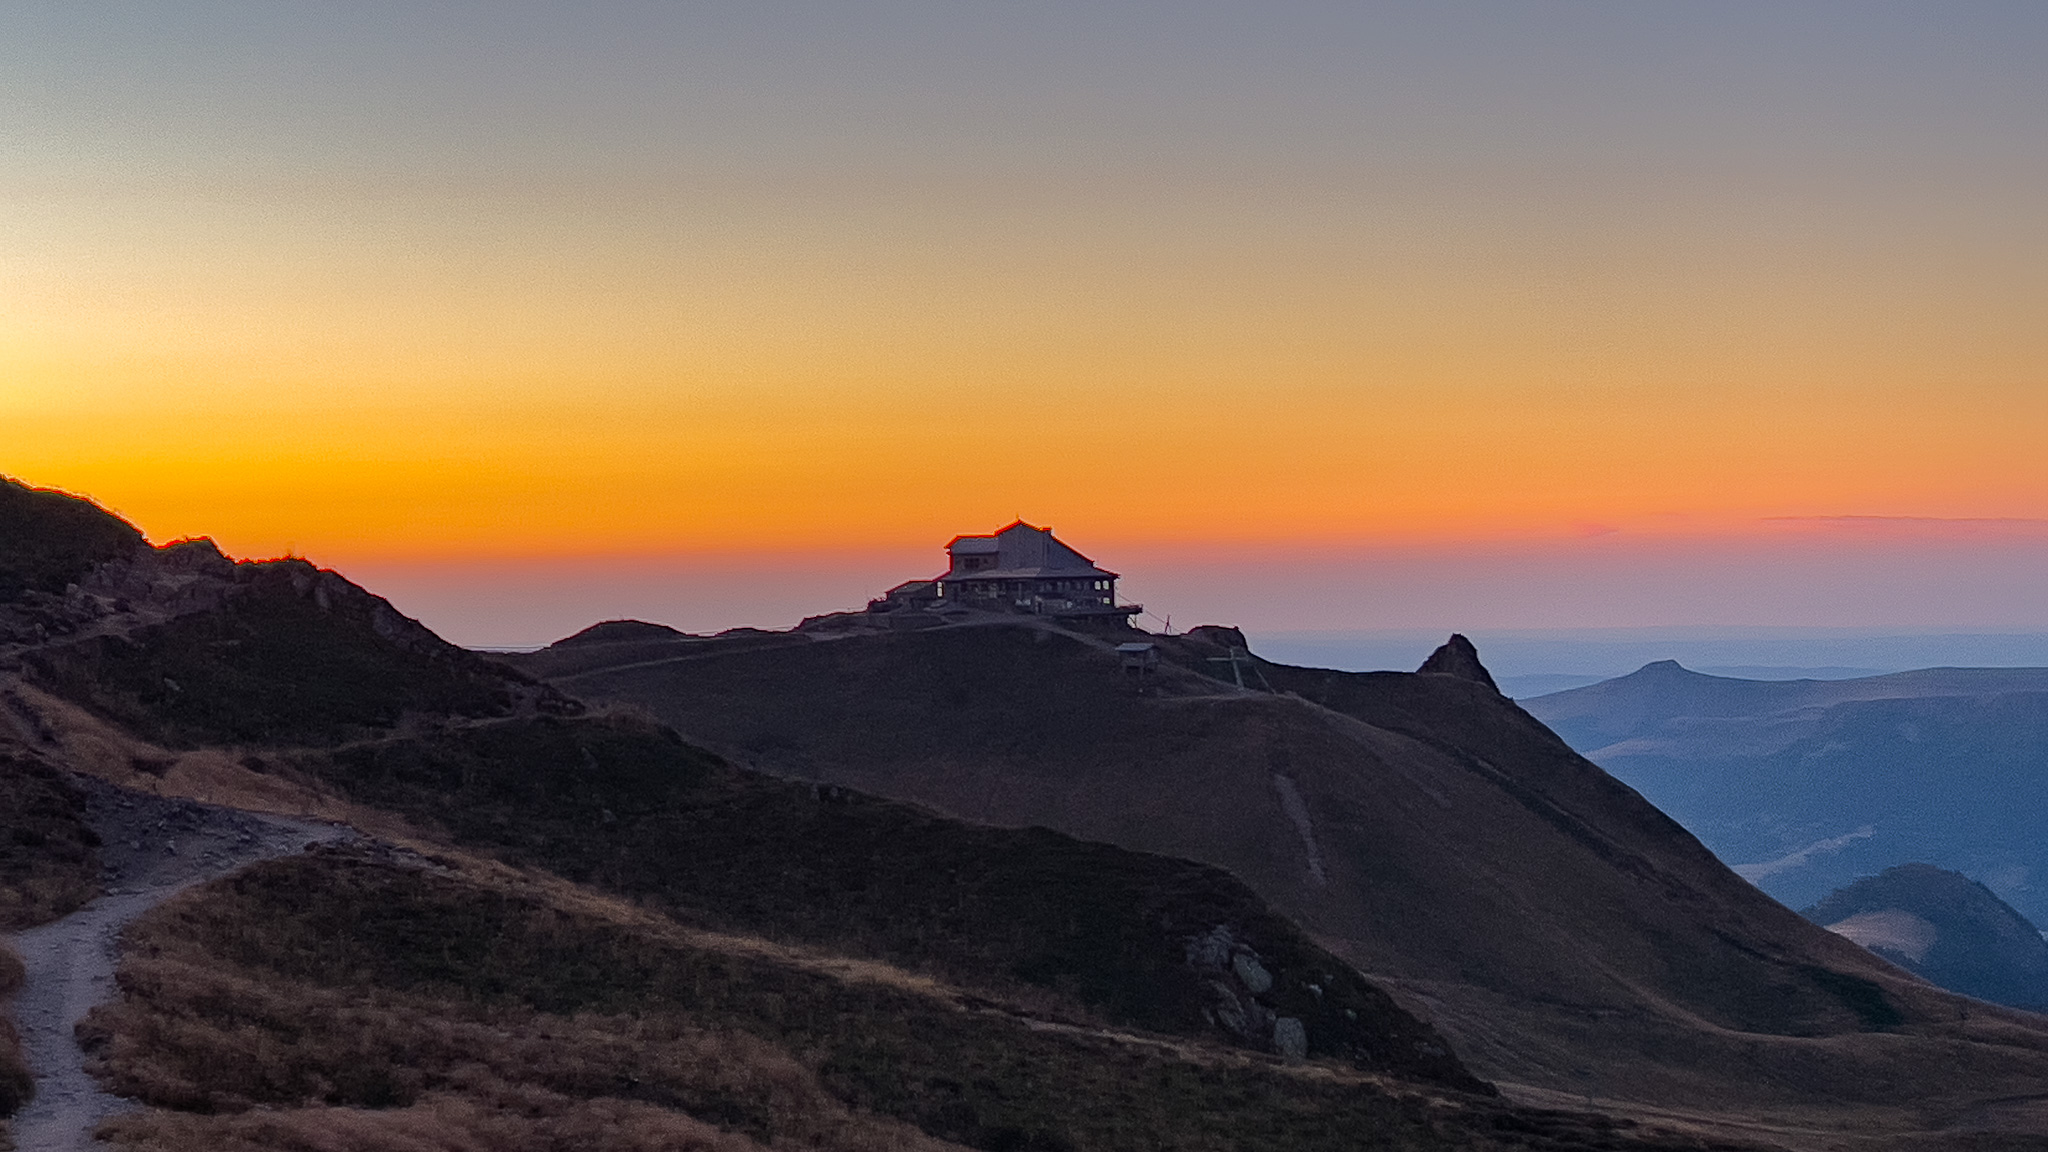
[
  {"x": 367, "y": 416},
  {"x": 384, "y": 295}
]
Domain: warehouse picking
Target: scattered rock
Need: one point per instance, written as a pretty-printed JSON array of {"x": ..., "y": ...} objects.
[
  {"x": 1256, "y": 979},
  {"x": 1237, "y": 980},
  {"x": 1290, "y": 1038}
]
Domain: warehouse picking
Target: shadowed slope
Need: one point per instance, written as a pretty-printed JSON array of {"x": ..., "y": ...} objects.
[
  {"x": 49, "y": 857},
  {"x": 289, "y": 674},
  {"x": 284, "y": 653},
  {"x": 1565, "y": 932},
  {"x": 632, "y": 809},
  {"x": 404, "y": 995},
  {"x": 186, "y": 647}
]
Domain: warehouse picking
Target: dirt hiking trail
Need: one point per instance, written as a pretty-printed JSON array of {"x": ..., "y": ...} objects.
[{"x": 153, "y": 848}]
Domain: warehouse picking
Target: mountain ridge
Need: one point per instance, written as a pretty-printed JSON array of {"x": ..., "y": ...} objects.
[
  {"x": 1447, "y": 822},
  {"x": 1091, "y": 996},
  {"x": 564, "y": 917}
]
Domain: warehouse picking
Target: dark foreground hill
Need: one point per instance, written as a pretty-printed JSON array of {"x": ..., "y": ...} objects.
[
  {"x": 1946, "y": 927},
  {"x": 1569, "y": 937},
  {"x": 1806, "y": 785},
  {"x": 572, "y": 928}
]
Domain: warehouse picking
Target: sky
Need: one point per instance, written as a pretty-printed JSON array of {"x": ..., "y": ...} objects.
[{"x": 1301, "y": 316}]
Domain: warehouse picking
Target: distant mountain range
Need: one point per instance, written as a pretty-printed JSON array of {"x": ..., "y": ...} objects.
[
  {"x": 1806, "y": 785},
  {"x": 1530, "y": 684}
]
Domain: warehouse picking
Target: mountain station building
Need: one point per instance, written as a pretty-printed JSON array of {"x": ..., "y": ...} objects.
[{"x": 1021, "y": 569}]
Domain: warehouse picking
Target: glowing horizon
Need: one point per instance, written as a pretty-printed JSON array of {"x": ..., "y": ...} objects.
[{"x": 449, "y": 284}]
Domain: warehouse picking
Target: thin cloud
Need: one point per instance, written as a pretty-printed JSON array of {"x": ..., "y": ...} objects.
[{"x": 2034, "y": 523}]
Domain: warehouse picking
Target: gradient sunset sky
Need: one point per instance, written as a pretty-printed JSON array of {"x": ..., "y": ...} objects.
[{"x": 1531, "y": 314}]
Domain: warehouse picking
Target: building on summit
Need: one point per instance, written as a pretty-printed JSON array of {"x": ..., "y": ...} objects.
[{"x": 1021, "y": 569}]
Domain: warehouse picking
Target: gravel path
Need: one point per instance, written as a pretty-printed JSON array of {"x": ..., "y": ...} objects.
[{"x": 153, "y": 849}]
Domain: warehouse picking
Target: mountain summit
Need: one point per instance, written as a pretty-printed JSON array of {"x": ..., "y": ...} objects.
[{"x": 1457, "y": 657}]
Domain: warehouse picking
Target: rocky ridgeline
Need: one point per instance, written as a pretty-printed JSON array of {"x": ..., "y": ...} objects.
[
  {"x": 145, "y": 587},
  {"x": 152, "y": 586},
  {"x": 185, "y": 646}
]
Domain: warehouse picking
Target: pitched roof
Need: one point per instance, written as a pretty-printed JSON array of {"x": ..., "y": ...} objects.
[
  {"x": 1032, "y": 573},
  {"x": 1023, "y": 551}
]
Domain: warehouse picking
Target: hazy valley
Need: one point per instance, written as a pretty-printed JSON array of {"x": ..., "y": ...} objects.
[{"x": 1805, "y": 786}]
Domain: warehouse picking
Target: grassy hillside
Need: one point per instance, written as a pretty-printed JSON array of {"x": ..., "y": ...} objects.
[
  {"x": 49, "y": 858},
  {"x": 632, "y": 809},
  {"x": 450, "y": 1003},
  {"x": 1754, "y": 985},
  {"x": 1564, "y": 932}
]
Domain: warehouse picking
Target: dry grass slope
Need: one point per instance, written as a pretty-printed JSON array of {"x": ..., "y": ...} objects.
[
  {"x": 438, "y": 1123},
  {"x": 341, "y": 1002},
  {"x": 632, "y": 809},
  {"x": 49, "y": 857}
]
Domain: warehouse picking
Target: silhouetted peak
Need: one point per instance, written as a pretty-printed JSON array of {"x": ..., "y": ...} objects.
[
  {"x": 1458, "y": 658},
  {"x": 620, "y": 631},
  {"x": 1665, "y": 668},
  {"x": 49, "y": 539}
]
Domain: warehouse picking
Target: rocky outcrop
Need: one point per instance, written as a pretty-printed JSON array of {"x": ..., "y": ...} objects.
[
  {"x": 1237, "y": 980},
  {"x": 1457, "y": 657},
  {"x": 1222, "y": 636}
]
